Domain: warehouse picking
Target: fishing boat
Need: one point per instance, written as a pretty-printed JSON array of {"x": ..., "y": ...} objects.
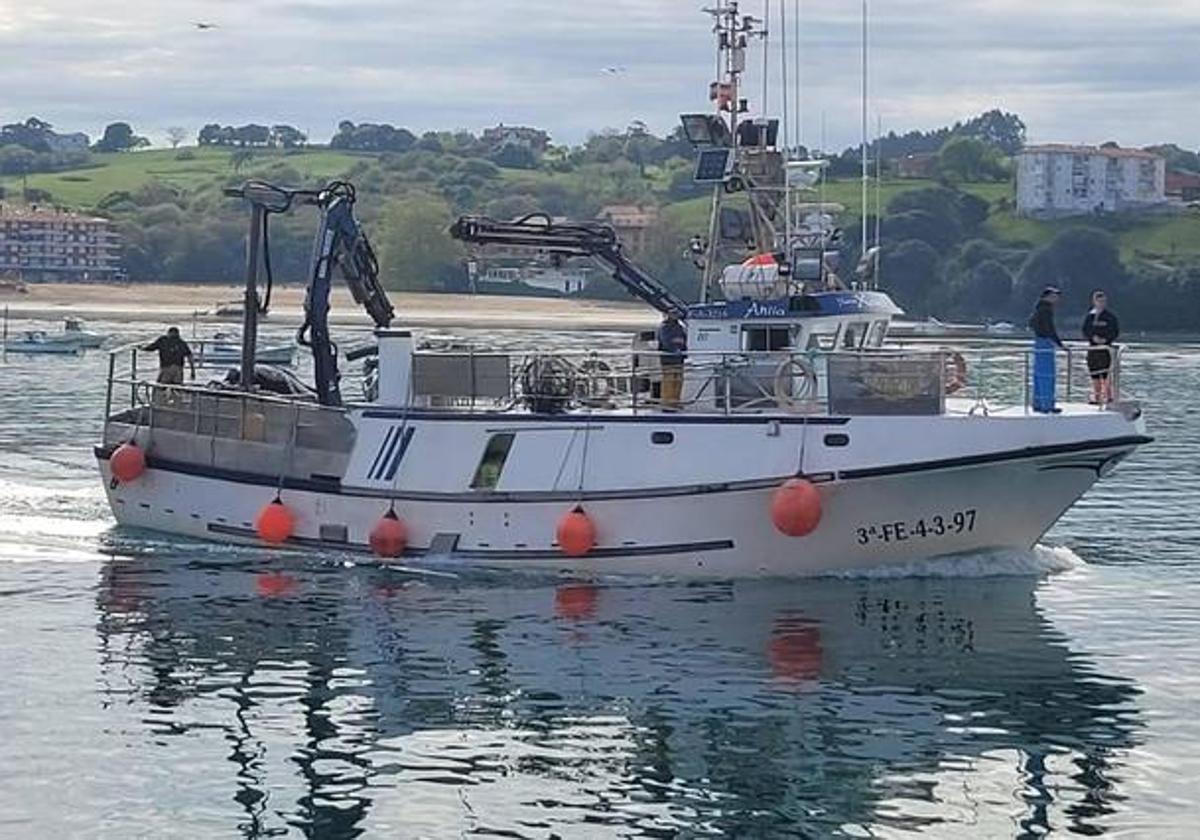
[
  {"x": 225, "y": 349},
  {"x": 792, "y": 439},
  {"x": 39, "y": 341}
]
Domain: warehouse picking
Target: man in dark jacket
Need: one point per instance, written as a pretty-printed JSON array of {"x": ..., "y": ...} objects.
[
  {"x": 172, "y": 351},
  {"x": 672, "y": 348},
  {"x": 1101, "y": 330},
  {"x": 1045, "y": 342}
]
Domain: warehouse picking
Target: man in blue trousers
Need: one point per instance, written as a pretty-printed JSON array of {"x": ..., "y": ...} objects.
[{"x": 1045, "y": 343}]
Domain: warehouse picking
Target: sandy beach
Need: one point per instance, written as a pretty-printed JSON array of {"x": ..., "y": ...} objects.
[{"x": 181, "y": 303}]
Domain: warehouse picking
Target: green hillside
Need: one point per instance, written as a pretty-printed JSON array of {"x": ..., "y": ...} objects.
[
  {"x": 951, "y": 251},
  {"x": 127, "y": 171},
  {"x": 1167, "y": 237}
]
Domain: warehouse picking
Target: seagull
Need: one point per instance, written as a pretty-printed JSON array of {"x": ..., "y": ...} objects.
[
  {"x": 612, "y": 71},
  {"x": 202, "y": 25}
]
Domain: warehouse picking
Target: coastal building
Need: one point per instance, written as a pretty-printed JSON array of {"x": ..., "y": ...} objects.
[
  {"x": 1183, "y": 187},
  {"x": 39, "y": 244},
  {"x": 917, "y": 165},
  {"x": 502, "y": 135},
  {"x": 1064, "y": 180},
  {"x": 632, "y": 222}
]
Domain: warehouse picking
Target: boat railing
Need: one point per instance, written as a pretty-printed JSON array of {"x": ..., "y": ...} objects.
[
  {"x": 217, "y": 410},
  {"x": 920, "y": 380},
  {"x": 915, "y": 380}
]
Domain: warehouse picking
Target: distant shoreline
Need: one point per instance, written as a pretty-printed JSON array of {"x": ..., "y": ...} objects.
[{"x": 182, "y": 303}]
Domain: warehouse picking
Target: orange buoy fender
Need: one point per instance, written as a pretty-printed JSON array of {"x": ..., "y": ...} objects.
[
  {"x": 389, "y": 536},
  {"x": 576, "y": 533},
  {"x": 796, "y": 507},
  {"x": 275, "y": 522},
  {"x": 127, "y": 462}
]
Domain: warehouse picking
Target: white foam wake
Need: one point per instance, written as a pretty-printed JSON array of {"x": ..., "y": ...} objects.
[{"x": 1039, "y": 561}]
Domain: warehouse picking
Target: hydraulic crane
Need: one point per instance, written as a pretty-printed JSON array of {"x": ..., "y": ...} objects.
[
  {"x": 341, "y": 242},
  {"x": 570, "y": 239}
]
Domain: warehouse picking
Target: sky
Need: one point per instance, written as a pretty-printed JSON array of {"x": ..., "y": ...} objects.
[{"x": 1082, "y": 71}]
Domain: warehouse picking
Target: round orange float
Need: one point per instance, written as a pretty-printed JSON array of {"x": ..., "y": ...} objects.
[
  {"x": 389, "y": 536},
  {"x": 576, "y": 533},
  {"x": 127, "y": 462},
  {"x": 275, "y": 522},
  {"x": 796, "y": 507}
]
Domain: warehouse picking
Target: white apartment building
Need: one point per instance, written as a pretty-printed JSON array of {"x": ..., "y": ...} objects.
[
  {"x": 57, "y": 245},
  {"x": 1063, "y": 180}
]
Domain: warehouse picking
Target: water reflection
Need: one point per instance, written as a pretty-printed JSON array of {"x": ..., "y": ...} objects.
[{"x": 361, "y": 701}]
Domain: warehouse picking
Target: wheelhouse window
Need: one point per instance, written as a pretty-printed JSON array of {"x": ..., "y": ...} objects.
[
  {"x": 878, "y": 333},
  {"x": 855, "y": 335},
  {"x": 491, "y": 465},
  {"x": 823, "y": 336},
  {"x": 763, "y": 339}
]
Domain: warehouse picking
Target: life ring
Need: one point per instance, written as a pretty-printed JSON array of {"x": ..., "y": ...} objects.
[
  {"x": 795, "y": 383},
  {"x": 955, "y": 372}
]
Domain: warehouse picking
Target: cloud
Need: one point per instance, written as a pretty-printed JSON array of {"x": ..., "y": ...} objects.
[{"x": 1075, "y": 70}]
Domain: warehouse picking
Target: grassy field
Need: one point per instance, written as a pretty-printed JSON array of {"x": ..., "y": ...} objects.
[
  {"x": 1164, "y": 237},
  {"x": 130, "y": 170}
]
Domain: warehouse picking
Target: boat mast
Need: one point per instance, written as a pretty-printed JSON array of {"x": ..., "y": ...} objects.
[
  {"x": 787, "y": 139},
  {"x": 733, "y": 31},
  {"x": 866, "y": 172}
]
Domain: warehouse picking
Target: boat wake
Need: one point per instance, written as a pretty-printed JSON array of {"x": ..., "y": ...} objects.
[{"x": 1039, "y": 561}]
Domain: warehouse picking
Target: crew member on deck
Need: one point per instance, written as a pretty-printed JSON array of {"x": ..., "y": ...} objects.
[
  {"x": 172, "y": 350},
  {"x": 1045, "y": 342},
  {"x": 1101, "y": 330},
  {"x": 672, "y": 347}
]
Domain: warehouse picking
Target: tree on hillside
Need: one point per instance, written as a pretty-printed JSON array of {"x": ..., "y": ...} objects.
[
  {"x": 16, "y": 160},
  {"x": 941, "y": 233},
  {"x": 370, "y": 137},
  {"x": 119, "y": 137},
  {"x": 912, "y": 274},
  {"x": 252, "y": 134},
  {"x": 987, "y": 290},
  {"x": 968, "y": 160},
  {"x": 33, "y": 134},
  {"x": 1077, "y": 260},
  {"x": 211, "y": 135},
  {"x": 997, "y": 128},
  {"x": 415, "y": 249},
  {"x": 176, "y": 134}
]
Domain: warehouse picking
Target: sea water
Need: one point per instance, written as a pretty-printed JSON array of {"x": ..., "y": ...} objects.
[{"x": 157, "y": 687}]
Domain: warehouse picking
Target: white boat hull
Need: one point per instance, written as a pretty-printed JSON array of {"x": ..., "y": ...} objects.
[{"x": 883, "y": 514}]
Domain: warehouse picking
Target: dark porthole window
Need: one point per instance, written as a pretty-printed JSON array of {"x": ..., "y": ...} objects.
[
  {"x": 837, "y": 439},
  {"x": 662, "y": 438}
]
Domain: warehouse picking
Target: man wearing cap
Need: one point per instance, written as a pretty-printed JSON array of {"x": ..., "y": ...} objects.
[
  {"x": 172, "y": 352},
  {"x": 1045, "y": 342}
]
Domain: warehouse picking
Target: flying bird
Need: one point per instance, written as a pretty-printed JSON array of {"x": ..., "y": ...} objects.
[
  {"x": 612, "y": 71},
  {"x": 199, "y": 24}
]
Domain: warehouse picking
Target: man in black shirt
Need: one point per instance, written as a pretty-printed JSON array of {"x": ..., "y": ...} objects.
[
  {"x": 1101, "y": 330},
  {"x": 172, "y": 350},
  {"x": 672, "y": 348},
  {"x": 1045, "y": 342}
]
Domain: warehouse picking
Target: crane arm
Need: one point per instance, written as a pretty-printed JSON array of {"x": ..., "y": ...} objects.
[
  {"x": 570, "y": 239},
  {"x": 340, "y": 242}
]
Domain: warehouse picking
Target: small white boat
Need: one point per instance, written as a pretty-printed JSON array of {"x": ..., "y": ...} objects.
[
  {"x": 226, "y": 349},
  {"x": 37, "y": 341},
  {"x": 74, "y": 333}
]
